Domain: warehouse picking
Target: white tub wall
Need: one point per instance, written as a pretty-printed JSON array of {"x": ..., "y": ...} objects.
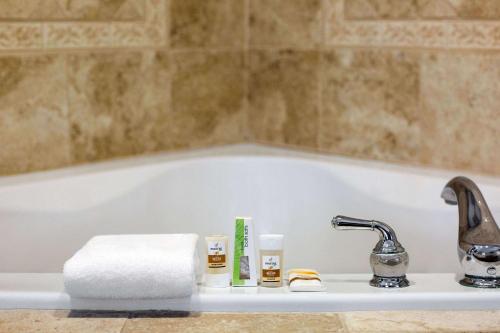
[{"x": 43, "y": 222}]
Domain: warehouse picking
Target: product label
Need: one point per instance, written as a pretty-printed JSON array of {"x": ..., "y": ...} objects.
[
  {"x": 271, "y": 271},
  {"x": 216, "y": 254}
]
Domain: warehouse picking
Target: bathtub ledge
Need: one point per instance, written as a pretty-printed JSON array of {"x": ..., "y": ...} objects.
[{"x": 345, "y": 292}]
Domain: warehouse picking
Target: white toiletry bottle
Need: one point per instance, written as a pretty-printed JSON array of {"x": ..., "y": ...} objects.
[
  {"x": 217, "y": 272},
  {"x": 271, "y": 260}
]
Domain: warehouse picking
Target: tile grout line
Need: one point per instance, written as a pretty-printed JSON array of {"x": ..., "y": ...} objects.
[
  {"x": 43, "y": 27},
  {"x": 123, "y": 326},
  {"x": 418, "y": 161},
  {"x": 321, "y": 75},
  {"x": 68, "y": 109},
  {"x": 248, "y": 135},
  {"x": 168, "y": 23},
  {"x": 343, "y": 322},
  {"x": 170, "y": 56},
  {"x": 31, "y": 51}
]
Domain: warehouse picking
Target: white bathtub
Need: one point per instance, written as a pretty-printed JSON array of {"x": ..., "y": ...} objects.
[{"x": 46, "y": 217}]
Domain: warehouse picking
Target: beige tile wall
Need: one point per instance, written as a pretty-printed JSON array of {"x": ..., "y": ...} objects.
[{"x": 407, "y": 81}]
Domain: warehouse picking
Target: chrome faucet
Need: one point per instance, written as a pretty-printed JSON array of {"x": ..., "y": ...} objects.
[
  {"x": 478, "y": 234},
  {"x": 389, "y": 260}
]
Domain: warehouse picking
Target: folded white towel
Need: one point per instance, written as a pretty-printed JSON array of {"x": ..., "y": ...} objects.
[{"x": 133, "y": 266}]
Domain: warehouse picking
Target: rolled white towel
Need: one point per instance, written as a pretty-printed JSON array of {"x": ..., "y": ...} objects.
[{"x": 133, "y": 266}]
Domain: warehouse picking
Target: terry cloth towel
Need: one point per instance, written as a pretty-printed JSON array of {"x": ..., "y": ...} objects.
[{"x": 133, "y": 266}]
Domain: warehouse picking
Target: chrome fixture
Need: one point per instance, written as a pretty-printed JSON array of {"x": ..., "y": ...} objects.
[
  {"x": 389, "y": 260},
  {"x": 478, "y": 234}
]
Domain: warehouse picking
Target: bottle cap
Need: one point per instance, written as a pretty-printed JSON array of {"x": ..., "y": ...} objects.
[
  {"x": 217, "y": 280},
  {"x": 271, "y": 242}
]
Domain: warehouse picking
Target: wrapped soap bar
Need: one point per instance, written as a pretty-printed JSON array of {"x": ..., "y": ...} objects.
[{"x": 300, "y": 279}]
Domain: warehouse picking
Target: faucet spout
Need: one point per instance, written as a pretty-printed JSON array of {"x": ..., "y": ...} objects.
[
  {"x": 478, "y": 234},
  {"x": 476, "y": 224}
]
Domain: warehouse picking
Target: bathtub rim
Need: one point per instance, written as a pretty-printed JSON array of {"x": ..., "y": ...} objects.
[
  {"x": 345, "y": 292},
  {"x": 237, "y": 151}
]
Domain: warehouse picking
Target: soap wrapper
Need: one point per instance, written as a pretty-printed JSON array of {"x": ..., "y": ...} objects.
[{"x": 244, "y": 267}]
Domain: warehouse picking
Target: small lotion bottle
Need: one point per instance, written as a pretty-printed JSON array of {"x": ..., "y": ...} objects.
[
  {"x": 271, "y": 260},
  {"x": 217, "y": 271}
]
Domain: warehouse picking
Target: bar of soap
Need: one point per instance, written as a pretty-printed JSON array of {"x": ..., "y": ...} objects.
[{"x": 301, "y": 279}]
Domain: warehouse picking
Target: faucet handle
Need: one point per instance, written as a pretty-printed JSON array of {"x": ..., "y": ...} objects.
[
  {"x": 341, "y": 222},
  {"x": 389, "y": 260},
  {"x": 387, "y": 234}
]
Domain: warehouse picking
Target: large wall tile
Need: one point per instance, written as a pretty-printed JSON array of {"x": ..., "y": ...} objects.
[
  {"x": 284, "y": 97},
  {"x": 461, "y": 114},
  {"x": 422, "y": 9},
  {"x": 477, "y": 9},
  {"x": 88, "y": 10},
  {"x": 286, "y": 23},
  {"x": 382, "y": 9},
  {"x": 208, "y": 23},
  {"x": 34, "y": 132},
  {"x": 370, "y": 104},
  {"x": 116, "y": 100},
  {"x": 90, "y": 24},
  {"x": 207, "y": 98},
  {"x": 427, "y": 31}
]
